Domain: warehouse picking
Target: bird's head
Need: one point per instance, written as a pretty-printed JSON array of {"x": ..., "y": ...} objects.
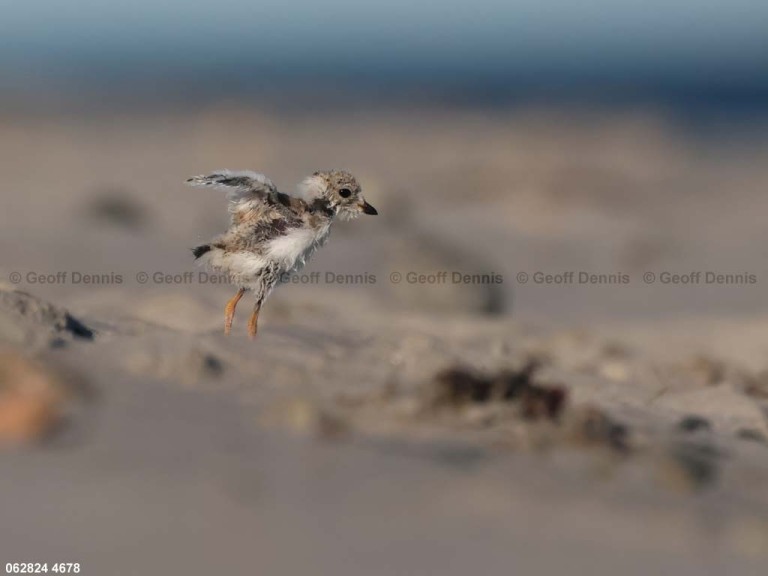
[{"x": 341, "y": 190}]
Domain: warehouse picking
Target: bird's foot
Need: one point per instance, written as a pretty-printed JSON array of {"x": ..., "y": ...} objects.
[
  {"x": 229, "y": 311},
  {"x": 253, "y": 323}
]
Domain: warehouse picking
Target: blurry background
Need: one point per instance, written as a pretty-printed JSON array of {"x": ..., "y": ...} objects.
[
  {"x": 605, "y": 137},
  {"x": 617, "y": 104},
  {"x": 495, "y": 137},
  {"x": 695, "y": 56}
]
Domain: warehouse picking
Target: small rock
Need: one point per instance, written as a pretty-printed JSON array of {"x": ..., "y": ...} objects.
[
  {"x": 592, "y": 426},
  {"x": 691, "y": 467},
  {"x": 693, "y": 424},
  {"x": 724, "y": 406}
]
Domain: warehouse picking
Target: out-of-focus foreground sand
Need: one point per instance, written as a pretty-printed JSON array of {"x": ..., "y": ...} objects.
[{"x": 328, "y": 446}]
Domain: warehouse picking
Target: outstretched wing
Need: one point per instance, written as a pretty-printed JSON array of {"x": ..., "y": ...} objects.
[{"x": 246, "y": 191}]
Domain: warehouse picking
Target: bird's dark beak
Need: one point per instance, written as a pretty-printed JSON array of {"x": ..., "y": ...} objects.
[{"x": 368, "y": 209}]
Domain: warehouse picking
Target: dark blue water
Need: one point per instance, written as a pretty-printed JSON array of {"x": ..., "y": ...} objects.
[{"x": 705, "y": 58}]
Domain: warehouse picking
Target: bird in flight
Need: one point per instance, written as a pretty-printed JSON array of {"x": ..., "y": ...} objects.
[{"x": 272, "y": 234}]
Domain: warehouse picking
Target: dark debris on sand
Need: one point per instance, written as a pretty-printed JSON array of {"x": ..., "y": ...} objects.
[
  {"x": 533, "y": 402},
  {"x": 24, "y": 316},
  {"x": 458, "y": 386},
  {"x": 117, "y": 207},
  {"x": 592, "y": 426}
]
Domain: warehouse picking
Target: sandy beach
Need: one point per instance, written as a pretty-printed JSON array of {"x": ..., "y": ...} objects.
[{"x": 547, "y": 354}]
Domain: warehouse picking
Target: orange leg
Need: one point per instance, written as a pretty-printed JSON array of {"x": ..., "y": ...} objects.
[
  {"x": 229, "y": 311},
  {"x": 253, "y": 322}
]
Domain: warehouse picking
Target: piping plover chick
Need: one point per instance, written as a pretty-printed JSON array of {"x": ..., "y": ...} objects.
[{"x": 271, "y": 234}]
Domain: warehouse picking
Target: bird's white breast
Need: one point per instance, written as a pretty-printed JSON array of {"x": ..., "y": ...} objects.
[{"x": 293, "y": 249}]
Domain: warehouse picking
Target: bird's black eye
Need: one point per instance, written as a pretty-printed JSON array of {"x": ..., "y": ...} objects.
[{"x": 345, "y": 192}]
